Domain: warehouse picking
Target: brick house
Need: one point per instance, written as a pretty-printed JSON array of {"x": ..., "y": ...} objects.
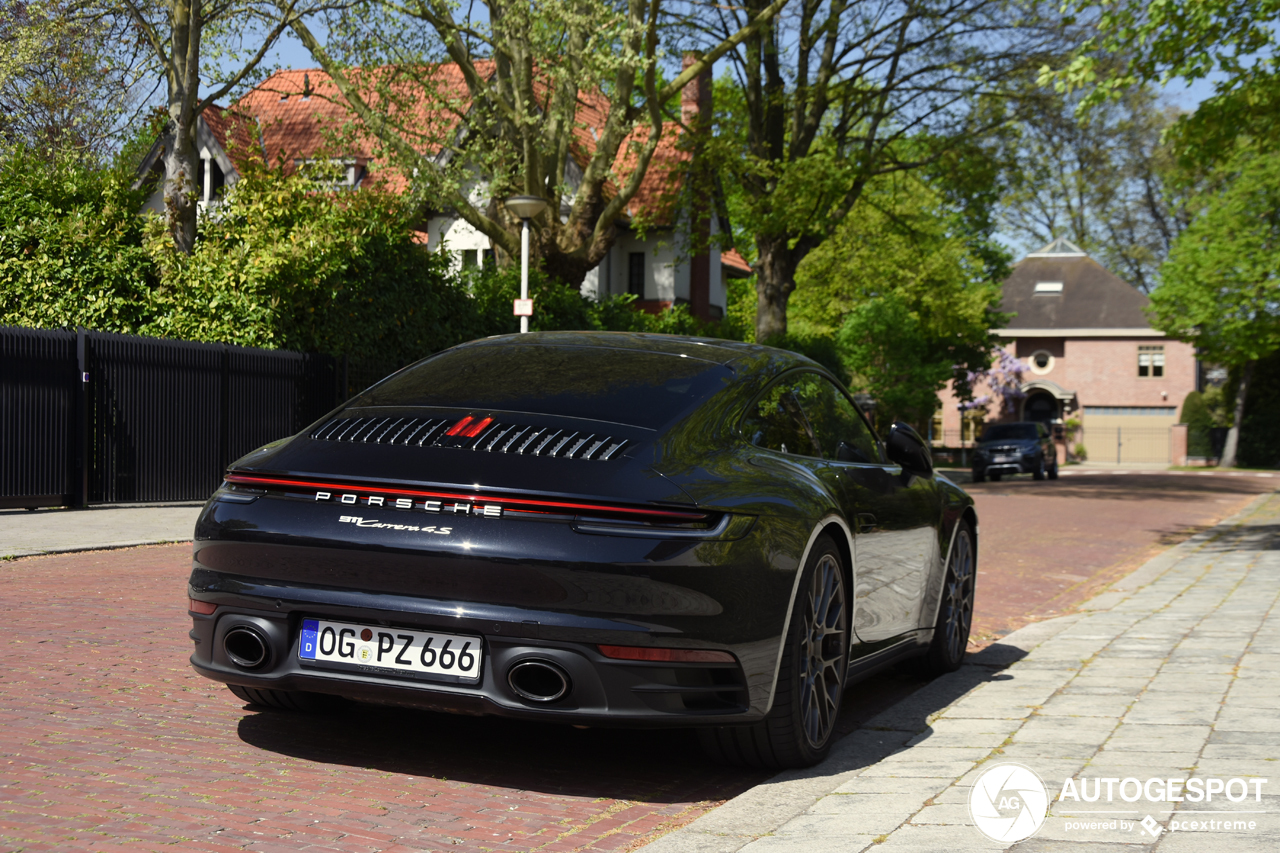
[
  {"x": 292, "y": 117},
  {"x": 1091, "y": 355}
]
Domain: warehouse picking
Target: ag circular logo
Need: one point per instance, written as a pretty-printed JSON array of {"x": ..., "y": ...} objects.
[{"x": 1008, "y": 802}]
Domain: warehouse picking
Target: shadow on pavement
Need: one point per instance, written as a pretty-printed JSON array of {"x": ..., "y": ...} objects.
[
  {"x": 646, "y": 765},
  {"x": 1166, "y": 487}
]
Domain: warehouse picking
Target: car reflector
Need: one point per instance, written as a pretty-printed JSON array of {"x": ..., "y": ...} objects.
[
  {"x": 205, "y": 608},
  {"x": 666, "y": 655}
]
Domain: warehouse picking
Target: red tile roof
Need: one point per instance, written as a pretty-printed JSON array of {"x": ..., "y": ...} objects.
[
  {"x": 735, "y": 261},
  {"x": 301, "y": 116},
  {"x": 236, "y": 131}
]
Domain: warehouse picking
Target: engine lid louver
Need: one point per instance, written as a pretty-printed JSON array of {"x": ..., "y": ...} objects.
[{"x": 480, "y": 434}]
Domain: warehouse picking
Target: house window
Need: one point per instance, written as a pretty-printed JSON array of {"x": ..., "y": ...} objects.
[
  {"x": 1151, "y": 361},
  {"x": 1048, "y": 287},
  {"x": 1041, "y": 362},
  {"x": 470, "y": 258},
  {"x": 635, "y": 274}
]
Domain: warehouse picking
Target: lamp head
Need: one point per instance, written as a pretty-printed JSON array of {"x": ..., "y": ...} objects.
[{"x": 526, "y": 206}]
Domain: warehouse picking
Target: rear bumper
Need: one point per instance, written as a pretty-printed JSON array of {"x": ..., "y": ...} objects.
[{"x": 603, "y": 691}]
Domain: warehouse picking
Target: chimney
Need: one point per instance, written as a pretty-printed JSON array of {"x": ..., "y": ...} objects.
[
  {"x": 695, "y": 112},
  {"x": 695, "y": 100}
]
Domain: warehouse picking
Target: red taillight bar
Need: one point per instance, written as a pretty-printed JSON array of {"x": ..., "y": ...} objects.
[
  {"x": 666, "y": 655},
  {"x": 513, "y": 503},
  {"x": 204, "y": 608}
]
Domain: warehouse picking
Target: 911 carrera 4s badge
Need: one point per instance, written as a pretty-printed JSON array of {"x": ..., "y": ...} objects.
[
  {"x": 421, "y": 505},
  {"x": 412, "y": 528}
]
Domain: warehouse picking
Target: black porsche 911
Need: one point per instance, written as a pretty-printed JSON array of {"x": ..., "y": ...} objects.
[{"x": 589, "y": 528}]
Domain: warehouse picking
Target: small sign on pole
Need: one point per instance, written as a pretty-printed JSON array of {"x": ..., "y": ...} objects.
[{"x": 523, "y": 308}]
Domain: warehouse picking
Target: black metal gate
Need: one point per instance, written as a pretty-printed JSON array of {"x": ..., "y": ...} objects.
[{"x": 94, "y": 417}]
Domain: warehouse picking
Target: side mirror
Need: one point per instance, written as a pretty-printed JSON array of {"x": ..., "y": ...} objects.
[{"x": 905, "y": 447}]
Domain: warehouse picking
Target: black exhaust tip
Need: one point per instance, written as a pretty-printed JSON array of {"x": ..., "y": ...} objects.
[
  {"x": 539, "y": 681},
  {"x": 246, "y": 647}
]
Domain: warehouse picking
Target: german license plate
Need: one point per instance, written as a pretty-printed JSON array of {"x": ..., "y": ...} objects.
[{"x": 380, "y": 649}]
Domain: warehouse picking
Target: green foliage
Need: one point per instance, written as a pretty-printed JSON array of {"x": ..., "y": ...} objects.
[
  {"x": 1195, "y": 414},
  {"x": 561, "y": 307},
  {"x": 906, "y": 297},
  {"x": 1222, "y": 278},
  {"x": 1231, "y": 42},
  {"x": 284, "y": 265},
  {"x": 281, "y": 264},
  {"x": 739, "y": 323},
  {"x": 71, "y": 246},
  {"x": 1260, "y": 429}
]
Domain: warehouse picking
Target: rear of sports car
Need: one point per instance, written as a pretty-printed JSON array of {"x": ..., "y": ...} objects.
[{"x": 487, "y": 532}]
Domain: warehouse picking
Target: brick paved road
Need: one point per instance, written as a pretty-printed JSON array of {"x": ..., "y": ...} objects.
[
  {"x": 1048, "y": 546},
  {"x": 107, "y": 740}
]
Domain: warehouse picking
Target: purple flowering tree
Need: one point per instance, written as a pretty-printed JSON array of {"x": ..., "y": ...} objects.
[{"x": 1003, "y": 381}]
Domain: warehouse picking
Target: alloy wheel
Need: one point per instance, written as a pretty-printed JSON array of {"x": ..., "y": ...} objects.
[
  {"x": 959, "y": 598},
  {"x": 822, "y": 651}
]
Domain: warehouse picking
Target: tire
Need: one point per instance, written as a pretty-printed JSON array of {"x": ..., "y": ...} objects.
[
  {"x": 1038, "y": 474},
  {"x": 800, "y": 728},
  {"x": 1053, "y": 472},
  {"x": 955, "y": 611},
  {"x": 995, "y": 477},
  {"x": 979, "y": 476},
  {"x": 281, "y": 700}
]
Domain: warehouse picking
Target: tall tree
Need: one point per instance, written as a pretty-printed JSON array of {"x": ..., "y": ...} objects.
[
  {"x": 562, "y": 99},
  {"x": 1229, "y": 42},
  {"x": 1101, "y": 178},
  {"x": 214, "y": 44},
  {"x": 1221, "y": 283},
  {"x": 830, "y": 93},
  {"x": 69, "y": 83},
  {"x": 908, "y": 293}
]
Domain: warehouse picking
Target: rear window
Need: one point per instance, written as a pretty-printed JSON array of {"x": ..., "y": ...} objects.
[
  {"x": 1011, "y": 432},
  {"x": 628, "y": 386}
]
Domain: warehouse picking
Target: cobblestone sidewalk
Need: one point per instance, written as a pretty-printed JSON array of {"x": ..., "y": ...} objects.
[
  {"x": 51, "y": 531},
  {"x": 1174, "y": 673}
]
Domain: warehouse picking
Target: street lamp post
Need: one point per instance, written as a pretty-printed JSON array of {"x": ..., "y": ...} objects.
[{"x": 526, "y": 207}]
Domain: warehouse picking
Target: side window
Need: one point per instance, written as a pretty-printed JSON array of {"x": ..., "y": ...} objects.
[
  {"x": 841, "y": 431},
  {"x": 777, "y": 421}
]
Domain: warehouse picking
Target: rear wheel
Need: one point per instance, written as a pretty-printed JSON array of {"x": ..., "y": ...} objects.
[
  {"x": 955, "y": 613},
  {"x": 1053, "y": 472},
  {"x": 978, "y": 476},
  {"x": 799, "y": 730},
  {"x": 1038, "y": 474},
  {"x": 283, "y": 700}
]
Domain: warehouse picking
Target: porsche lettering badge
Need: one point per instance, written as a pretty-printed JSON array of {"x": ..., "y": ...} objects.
[{"x": 453, "y": 507}]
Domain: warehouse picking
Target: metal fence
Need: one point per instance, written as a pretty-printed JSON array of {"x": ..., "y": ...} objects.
[{"x": 92, "y": 417}]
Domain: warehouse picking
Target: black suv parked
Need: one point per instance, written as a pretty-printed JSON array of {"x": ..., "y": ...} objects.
[{"x": 1017, "y": 448}]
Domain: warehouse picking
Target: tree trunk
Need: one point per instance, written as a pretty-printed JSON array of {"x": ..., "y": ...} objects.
[
  {"x": 1233, "y": 435},
  {"x": 183, "y": 80},
  {"x": 180, "y": 190},
  {"x": 775, "y": 280}
]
